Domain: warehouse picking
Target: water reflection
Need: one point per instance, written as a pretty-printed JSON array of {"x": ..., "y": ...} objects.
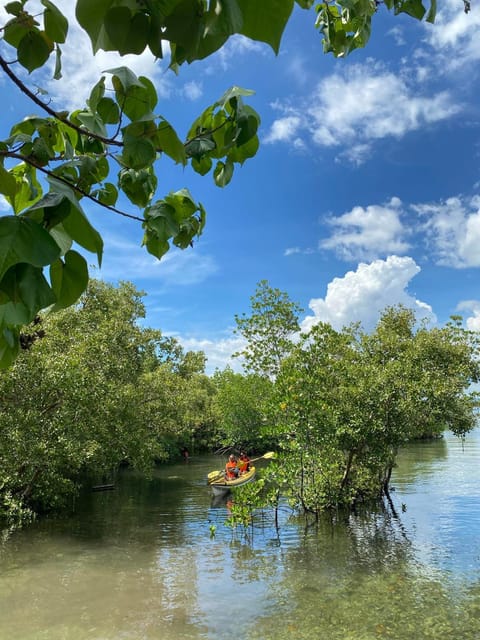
[{"x": 139, "y": 563}]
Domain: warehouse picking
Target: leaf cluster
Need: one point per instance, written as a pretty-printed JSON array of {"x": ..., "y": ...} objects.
[
  {"x": 51, "y": 162},
  {"x": 346, "y": 25}
]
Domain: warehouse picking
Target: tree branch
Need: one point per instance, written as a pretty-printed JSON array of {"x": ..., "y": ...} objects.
[
  {"x": 55, "y": 114},
  {"x": 32, "y": 163}
]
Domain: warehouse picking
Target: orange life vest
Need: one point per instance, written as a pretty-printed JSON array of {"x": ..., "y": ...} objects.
[{"x": 230, "y": 468}]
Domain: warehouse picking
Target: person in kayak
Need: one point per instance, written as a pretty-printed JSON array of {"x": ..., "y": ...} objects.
[
  {"x": 243, "y": 463},
  {"x": 231, "y": 468}
]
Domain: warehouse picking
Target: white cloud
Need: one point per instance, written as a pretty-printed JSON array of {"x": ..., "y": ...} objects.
[
  {"x": 363, "y": 294},
  {"x": 358, "y": 105},
  {"x": 283, "y": 129},
  {"x": 367, "y": 233},
  {"x": 453, "y": 230},
  {"x": 397, "y": 35},
  {"x": 472, "y": 322},
  {"x": 291, "y": 251},
  {"x": 455, "y": 34},
  {"x": 192, "y": 90},
  {"x": 218, "y": 352},
  {"x": 356, "y": 154},
  {"x": 369, "y": 102}
]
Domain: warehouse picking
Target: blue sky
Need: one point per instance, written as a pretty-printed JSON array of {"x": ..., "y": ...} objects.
[{"x": 364, "y": 193}]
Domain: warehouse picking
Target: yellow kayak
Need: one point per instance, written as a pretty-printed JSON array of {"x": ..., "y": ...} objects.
[{"x": 216, "y": 479}]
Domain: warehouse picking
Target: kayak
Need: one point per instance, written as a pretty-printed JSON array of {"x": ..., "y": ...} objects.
[{"x": 221, "y": 486}]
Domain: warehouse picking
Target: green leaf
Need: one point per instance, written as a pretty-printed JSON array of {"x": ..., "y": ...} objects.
[
  {"x": 170, "y": 143},
  {"x": 51, "y": 209},
  {"x": 223, "y": 173},
  {"x": 183, "y": 204},
  {"x": 202, "y": 123},
  {"x": 188, "y": 231},
  {"x": 247, "y": 150},
  {"x": 22, "y": 240},
  {"x": 160, "y": 225},
  {"x": 201, "y": 217},
  {"x": 127, "y": 33},
  {"x": 432, "y": 12},
  {"x": 82, "y": 232},
  {"x": 93, "y": 122},
  {"x": 69, "y": 279},
  {"x": 8, "y": 184},
  {"x": 138, "y": 153},
  {"x": 90, "y": 15},
  {"x": 154, "y": 244},
  {"x": 40, "y": 152},
  {"x": 248, "y": 125},
  {"x": 137, "y": 96},
  {"x": 265, "y": 21},
  {"x": 77, "y": 223},
  {"x": 108, "y": 111},
  {"x": 28, "y": 293},
  {"x": 155, "y": 35},
  {"x": 62, "y": 238},
  {"x": 233, "y": 92},
  {"x": 56, "y": 25},
  {"x": 161, "y": 217},
  {"x": 14, "y": 8},
  {"x": 117, "y": 24},
  {"x": 202, "y": 165},
  {"x": 125, "y": 77},
  {"x": 57, "y": 73},
  {"x": 225, "y": 22},
  {"x": 70, "y": 139},
  {"x": 34, "y": 50},
  {"x": 107, "y": 194},
  {"x": 184, "y": 28},
  {"x": 96, "y": 94},
  {"x": 138, "y": 186},
  {"x": 199, "y": 146},
  {"x": 16, "y": 29},
  {"x": 28, "y": 188},
  {"x": 413, "y": 8}
]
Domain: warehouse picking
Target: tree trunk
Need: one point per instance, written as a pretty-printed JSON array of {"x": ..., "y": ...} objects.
[{"x": 346, "y": 473}]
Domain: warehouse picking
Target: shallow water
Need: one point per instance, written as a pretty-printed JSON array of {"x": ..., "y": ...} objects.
[{"x": 140, "y": 563}]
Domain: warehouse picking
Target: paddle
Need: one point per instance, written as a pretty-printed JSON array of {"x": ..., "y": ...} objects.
[
  {"x": 214, "y": 476},
  {"x": 266, "y": 456}
]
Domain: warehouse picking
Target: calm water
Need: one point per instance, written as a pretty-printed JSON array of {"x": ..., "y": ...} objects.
[{"x": 139, "y": 563}]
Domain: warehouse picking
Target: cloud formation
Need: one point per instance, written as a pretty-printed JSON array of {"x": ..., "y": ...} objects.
[
  {"x": 454, "y": 36},
  {"x": 358, "y": 105},
  {"x": 473, "y": 306},
  {"x": 452, "y": 229},
  {"x": 367, "y": 233},
  {"x": 218, "y": 352},
  {"x": 363, "y": 294}
]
